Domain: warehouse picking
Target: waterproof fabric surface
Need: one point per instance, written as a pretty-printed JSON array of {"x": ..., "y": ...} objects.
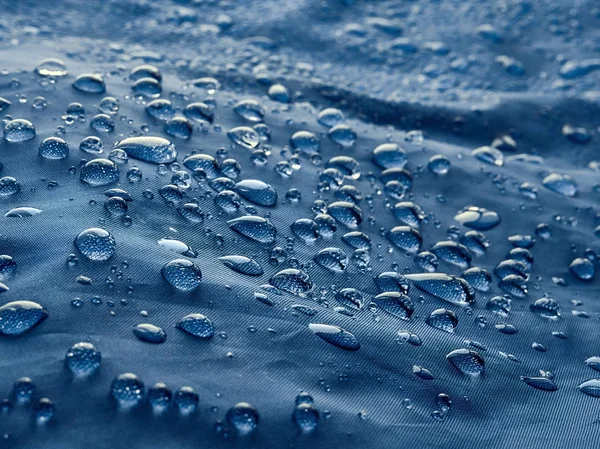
[{"x": 462, "y": 73}]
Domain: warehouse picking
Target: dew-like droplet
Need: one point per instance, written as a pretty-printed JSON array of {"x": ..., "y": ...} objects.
[
  {"x": 478, "y": 218},
  {"x": 391, "y": 281},
  {"x": 453, "y": 253},
  {"x": 197, "y": 325},
  {"x": 564, "y": 185},
  {"x": 351, "y": 297},
  {"x": 305, "y": 417},
  {"x": 53, "y": 148},
  {"x": 334, "y": 259},
  {"x": 348, "y": 214},
  {"x": 306, "y": 142},
  {"x": 243, "y": 417},
  {"x": 357, "y": 240},
  {"x": 18, "y": 317},
  {"x": 21, "y": 212},
  {"x": 467, "y": 361},
  {"x": 149, "y": 148},
  {"x": 205, "y": 162},
  {"x": 408, "y": 337},
  {"x": 83, "y": 359},
  {"x": 51, "y": 67},
  {"x": 590, "y": 387},
  {"x": 99, "y": 172},
  {"x": 96, "y": 244},
  {"x": 257, "y": 192},
  {"x": 583, "y": 268},
  {"x": 293, "y": 281},
  {"x": 406, "y": 238},
  {"x": 244, "y": 136},
  {"x": 150, "y": 333},
  {"x": 489, "y": 155},
  {"x": 540, "y": 382},
  {"x": 396, "y": 304},
  {"x": 243, "y": 265},
  {"x": 90, "y": 84},
  {"x": 443, "y": 286},
  {"x": 389, "y": 155},
  {"x": 546, "y": 307},
  {"x": 19, "y": 130},
  {"x": 255, "y": 228},
  {"x": 182, "y": 274},
  {"x": 336, "y": 336},
  {"x": 127, "y": 389},
  {"x": 443, "y": 319}
]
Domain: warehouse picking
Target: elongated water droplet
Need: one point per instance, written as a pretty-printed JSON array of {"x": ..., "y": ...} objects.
[{"x": 336, "y": 336}]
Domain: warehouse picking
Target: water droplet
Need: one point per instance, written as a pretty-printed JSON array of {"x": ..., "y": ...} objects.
[
  {"x": 478, "y": 218},
  {"x": 127, "y": 389},
  {"x": 197, "y": 325},
  {"x": 467, "y": 361},
  {"x": 293, "y": 281},
  {"x": 146, "y": 87},
  {"x": 88, "y": 83},
  {"x": 489, "y": 155},
  {"x": 242, "y": 264},
  {"x": 333, "y": 259},
  {"x": 243, "y": 417},
  {"x": 255, "y": 228},
  {"x": 389, "y": 155},
  {"x": 96, "y": 244},
  {"x": 148, "y": 148},
  {"x": 205, "y": 162},
  {"x": 99, "y": 172},
  {"x": 182, "y": 274},
  {"x": 150, "y": 333},
  {"x": 442, "y": 319},
  {"x": 257, "y": 192},
  {"x": 51, "y": 67},
  {"x": 590, "y": 387},
  {"x": 562, "y": 184},
  {"x": 406, "y": 238},
  {"x": 18, "y": 317},
  {"x": 53, "y": 148},
  {"x": 83, "y": 359},
  {"x": 19, "y": 130},
  {"x": 306, "y": 417},
  {"x": 244, "y": 136},
  {"x": 583, "y": 268},
  {"x": 453, "y": 253},
  {"x": 336, "y": 336},
  {"x": 396, "y": 304},
  {"x": 306, "y": 142},
  {"x": 21, "y": 212}
]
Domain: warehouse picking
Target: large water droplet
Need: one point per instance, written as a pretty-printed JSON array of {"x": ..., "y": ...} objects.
[
  {"x": 19, "y": 130},
  {"x": 333, "y": 259},
  {"x": 127, "y": 389},
  {"x": 99, "y": 172},
  {"x": 243, "y": 417},
  {"x": 467, "y": 361},
  {"x": 395, "y": 304},
  {"x": 18, "y": 317},
  {"x": 255, "y": 228},
  {"x": 443, "y": 286},
  {"x": 293, "y": 281},
  {"x": 148, "y": 148},
  {"x": 336, "y": 336},
  {"x": 83, "y": 359},
  {"x": 406, "y": 238},
  {"x": 182, "y": 274},
  {"x": 150, "y": 333},
  {"x": 257, "y": 192},
  {"x": 242, "y": 264},
  {"x": 96, "y": 244},
  {"x": 442, "y": 319},
  {"x": 197, "y": 325}
]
